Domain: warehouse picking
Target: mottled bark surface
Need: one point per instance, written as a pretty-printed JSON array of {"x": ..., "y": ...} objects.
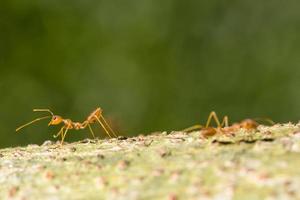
[{"x": 249, "y": 165}]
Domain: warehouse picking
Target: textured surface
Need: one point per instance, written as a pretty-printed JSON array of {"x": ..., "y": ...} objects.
[{"x": 250, "y": 165}]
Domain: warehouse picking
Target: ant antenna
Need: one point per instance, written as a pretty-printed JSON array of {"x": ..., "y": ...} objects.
[
  {"x": 38, "y": 119},
  {"x": 268, "y": 120},
  {"x": 43, "y": 110}
]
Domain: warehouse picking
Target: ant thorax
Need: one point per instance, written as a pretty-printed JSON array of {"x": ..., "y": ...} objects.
[{"x": 68, "y": 123}]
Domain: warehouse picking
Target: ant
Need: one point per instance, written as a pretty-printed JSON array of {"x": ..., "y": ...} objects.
[
  {"x": 95, "y": 116},
  {"x": 223, "y": 127}
]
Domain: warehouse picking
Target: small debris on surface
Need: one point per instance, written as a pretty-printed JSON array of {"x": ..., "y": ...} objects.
[
  {"x": 297, "y": 134},
  {"x": 33, "y": 146},
  {"x": 267, "y": 138},
  {"x": 223, "y": 141},
  {"x": 286, "y": 142},
  {"x": 158, "y": 172},
  {"x": 131, "y": 139},
  {"x": 164, "y": 152},
  {"x": 123, "y": 164},
  {"x": 73, "y": 149},
  {"x": 64, "y": 159},
  {"x": 122, "y": 138},
  {"x": 148, "y": 142},
  {"x": 13, "y": 191},
  {"x": 87, "y": 140},
  {"x": 175, "y": 176},
  {"x": 101, "y": 156},
  {"x": 172, "y": 197},
  {"x": 49, "y": 175},
  {"x": 47, "y": 143},
  {"x": 102, "y": 182}
]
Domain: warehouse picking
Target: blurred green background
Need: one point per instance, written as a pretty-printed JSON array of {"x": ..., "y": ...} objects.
[{"x": 151, "y": 65}]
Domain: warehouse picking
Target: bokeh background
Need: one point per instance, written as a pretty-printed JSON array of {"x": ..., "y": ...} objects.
[{"x": 151, "y": 65}]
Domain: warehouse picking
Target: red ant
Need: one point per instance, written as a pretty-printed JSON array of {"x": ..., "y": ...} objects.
[
  {"x": 223, "y": 127},
  {"x": 95, "y": 116}
]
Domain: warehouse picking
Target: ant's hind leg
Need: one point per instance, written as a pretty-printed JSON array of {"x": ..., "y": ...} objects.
[
  {"x": 102, "y": 125},
  {"x": 225, "y": 122},
  {"x": 215, "y": 117},
  {"x": 107, "y": 125},
  {"x": 91, "y": 130}
]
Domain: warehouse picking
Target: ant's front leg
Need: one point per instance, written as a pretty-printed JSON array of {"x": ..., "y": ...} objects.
[
  {"x": 59, "y": 132},
  {"x": 215, "y": 117},
  {"x": 225, "y": 122},
  {"x": 63, "y": 136},
  {"x": 192, "y": 128}
]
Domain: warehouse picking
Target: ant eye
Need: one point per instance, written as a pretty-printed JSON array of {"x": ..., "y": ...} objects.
[{"x": 54, "y": 118}]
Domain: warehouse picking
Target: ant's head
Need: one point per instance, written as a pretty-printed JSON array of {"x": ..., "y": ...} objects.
[{"x": 55, "y": 120}]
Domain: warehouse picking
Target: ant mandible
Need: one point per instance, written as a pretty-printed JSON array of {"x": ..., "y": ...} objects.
[
  {"x": 223, "y": 127},
  {"x": 95, "y": 116}
]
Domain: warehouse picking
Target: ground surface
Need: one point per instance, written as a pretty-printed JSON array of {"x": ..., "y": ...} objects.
[{"x": 250, "y": 165}]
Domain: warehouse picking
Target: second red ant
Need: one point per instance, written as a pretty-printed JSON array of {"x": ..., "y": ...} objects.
[{"x": 223, "y": 127}]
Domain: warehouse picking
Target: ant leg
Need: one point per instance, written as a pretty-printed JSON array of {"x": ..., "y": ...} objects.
[
  {"x": 215, "y": 117},
  {"x": 225, "y": 122},
  {"x": 91, "y": 130},
  {"x": 59, "y": 133},
  {"x": 63, "y": 136},
  {"x": 107, "y": 125},
  {"x": 102, "y": 125},
  {"x": 192, "y": 128}
]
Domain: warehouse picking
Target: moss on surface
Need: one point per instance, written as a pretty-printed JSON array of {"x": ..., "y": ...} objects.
[{"x": 250, "y": 165}]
